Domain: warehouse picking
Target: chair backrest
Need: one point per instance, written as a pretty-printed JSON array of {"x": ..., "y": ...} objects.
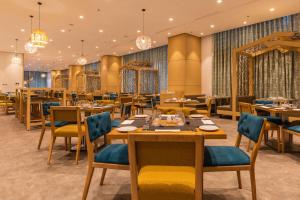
[
  {"x": 250, "y": 126},
  {"x": 98, "y": 125},
  {"x": 265, "y": 102},
  {"x": 126, "y": 99},
  {"x": 46, "y": 107},
  {"x": 67, "y": 114},
  {"x": 126, "y": 110},
  {"x": 98, "y": 97},
  {"x": 165, "y": 149},
  {"x": 245, "y": 108}
]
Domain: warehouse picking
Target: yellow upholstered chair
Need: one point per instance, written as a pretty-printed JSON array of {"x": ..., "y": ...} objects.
[
  {"x": 166, "y": 166},
  {"x": 207, "y": 109},
  {"x": 73, "y": 129}
]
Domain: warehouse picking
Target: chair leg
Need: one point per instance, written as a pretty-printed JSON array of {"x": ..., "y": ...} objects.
[
  {"x": 41, "y": 137},
  {"x": 278, "y": 141},
  {"x": 51, "y": 148},
  {"x": 239, "y": 179},
  {"x": 253, "y": 184},
  {"x": 78, "y": 149},
  {"x": 66, "y": 144},
  {"x": 103, "y": 176},
  {"x": 249, "y": 145},
  {"x": 88, "y": 182},
  {"x": 69, "y": 143},
  {"x": 266, "y": 137}
]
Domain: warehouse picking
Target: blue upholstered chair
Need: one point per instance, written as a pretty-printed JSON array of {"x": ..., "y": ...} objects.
[
  {"x": 112, "y": 156},
  {"x": 45, "y": 120},
  {"x": 126, "y": 110},
  {"x": 265, "y": 102},
  {"x": 291, "y": 130},
  {"x": 232, "y": 158}
]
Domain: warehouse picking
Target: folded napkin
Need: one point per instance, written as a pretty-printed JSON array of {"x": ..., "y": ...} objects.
[
  {"x": 167, "y": 130},
  {"x": 207, "y": 122},
  {"x": 127, "y": 122}
]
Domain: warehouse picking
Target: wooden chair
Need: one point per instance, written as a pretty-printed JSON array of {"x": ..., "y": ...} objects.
[
  {"x": 45, "y": 123},
  {"x": 112, "y": 156},
  {"x": 126, "y": 112},
  {"x": 227, "y": 158},
  {"x": 73, "y": 129},
  {"x": 246, "y": 108},
  {"x": 207, "y": 110},
  {"x": 166, "y": 166},
  {"x": 290, "y": 131},
  {"x": 174, "y": 110}
]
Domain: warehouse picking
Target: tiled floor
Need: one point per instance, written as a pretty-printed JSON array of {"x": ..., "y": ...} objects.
[{"x": 24, "y": 173}]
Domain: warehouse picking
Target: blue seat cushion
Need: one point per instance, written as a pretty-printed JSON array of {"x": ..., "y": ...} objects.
[
  {"x": 224, "y": 156},
  {"x": 250, "y": 126},
  {"x": 275, "y": 120},
  {"x": 294, "y": 128},
  {"x": 57, "y": 123},
  {"x": 265, "y": 102},
  {"x": 114, "y": 153},
  {"x": 115, "y": 123}
]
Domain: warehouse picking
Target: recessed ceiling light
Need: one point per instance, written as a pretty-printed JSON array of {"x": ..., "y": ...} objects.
[
  {"x": 97, "y": 47},
  {"x": 212, "y": 26},
  {"x": 59, "y": 52},
  {"x": 272, "y": 9},
  {"x": 131, "y": 48},
  {"x": 22, "y": 30},
  {"x": 114, "y": 53},
  {"x": 244, "y": 22},
  {"x": 169, "y": 33},
  {"x": 138, "y": 31},
  {"x": 114, "y": 40},
  {"x": 62, "y": 30},
  {"x": 201, "y": 33},
  {"x": 100, "y": 31},
  {"x": 154, "y": 42},
  {"x": 69, "y": 47},
  {"x": 50, "y": 40},
  {"x": 81, "y": 17},
  {"x": 12, "y": 46},
  {"x": 171, "y": 19},
  {"x": 219, "y": 1}
]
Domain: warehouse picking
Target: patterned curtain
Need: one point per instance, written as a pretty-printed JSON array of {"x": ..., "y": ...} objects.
[
  {"x": 158, "y": 57},
  {"x": 36, "y": 79},
  {"x": 92, "y": 71},
  {"x": 274, "y": 72}
]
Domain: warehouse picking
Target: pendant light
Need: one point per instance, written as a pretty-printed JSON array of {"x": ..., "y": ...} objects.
[
  {"x": 29, "y": 47},
  {"x": 81, "y": 60},
  {"x": 39, "y": 37},
  {"x": 16, "y": 60},
  {"x": 143, "y": 42}
]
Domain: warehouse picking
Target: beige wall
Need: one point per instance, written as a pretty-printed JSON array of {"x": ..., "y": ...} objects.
[
  {"x": 206, "y": 64},
  {"x": 110, "y": 73},
  {"x": 11, "y": 75},
  {"x": 184, "y": 64}
]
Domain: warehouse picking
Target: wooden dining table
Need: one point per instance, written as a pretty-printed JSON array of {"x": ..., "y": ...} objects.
[
  {"x": 283, "y": 112},
  {"x": 194, "y": 128}
]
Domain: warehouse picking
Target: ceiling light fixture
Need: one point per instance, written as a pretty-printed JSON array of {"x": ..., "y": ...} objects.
[
  {"x": 62, "y": 30},
  {"x": 171, "y": 19},
  {"x": 169, "y": 33},
  {"x": 219, "y": 1},
  {"x": 100, "y": 31},
  {"x": 212, "y": 26},
  {"x": 69, "y": 47},
  {"x": 114, "y": 40},
  {"x": 22, "y": 30},
  {"x": 39, "y": 37},
  {"x": 201, "y": 33},
  {"x": 43, "y": 75},
  {"x": 244, "y": 22},
  {"x": 97, "y": 47},
  {"x": 143, "y": 42},
  {"x": 81, "y": 60},
  {"x": 29, "y": 46},
  {"x": 138, "y": 31},
  {"x": 16, "y": 60},
  {"x": 272, "y": 9},
  {"x": 81, "y": 17}
]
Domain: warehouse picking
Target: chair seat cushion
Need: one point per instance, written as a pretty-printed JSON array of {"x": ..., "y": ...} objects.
[
  {"x": 115, "y": 123},
  {"x": 224, "y": 156},
  {"x": 275, "y": 120},
  {"x": 225, "y": 107},
  {"x": 57, "y": 123},
  {"x": 265, "y": 102},
  {"x": 294, "y": 128},
  {"x": 166, "y": 182},
  {"x": 70, "y": 130},
  {"x": 114, "y": 153}
]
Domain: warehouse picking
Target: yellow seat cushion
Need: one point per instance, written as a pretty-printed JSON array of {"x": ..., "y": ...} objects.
[
  {"x": 70, "y": 130},
  {"x": 166, "y": 182}
]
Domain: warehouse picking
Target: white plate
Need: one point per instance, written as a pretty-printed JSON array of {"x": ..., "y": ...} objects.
[
  {"x": 208, "y": 128},
  {"x": 196, "y": 116},
  {"x": 127, "y": 128},
  {"x": 140, "y": 116}
]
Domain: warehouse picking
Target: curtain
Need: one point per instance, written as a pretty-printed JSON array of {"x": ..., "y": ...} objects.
[
  {"x": 36, "y": 79},
  {"x": 158, "y": 57},
  {"x": 274, "y": 72},
  {"x": 92, "y": 71}
]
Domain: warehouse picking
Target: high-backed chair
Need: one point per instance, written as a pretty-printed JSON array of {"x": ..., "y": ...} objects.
[
  {"x": 228, "y": 158},
  {"x": 207, "y": 109},
  {"x": 73, "y": 129},
  {"x": 290, "y": 130},
  {"x": 246, "y": 108},
  {"x": 113, "y": 156},
  {"x": 126, "y": 111},
  {"x": 166, "y": 166},
  {"x": 45, "y": 120}
]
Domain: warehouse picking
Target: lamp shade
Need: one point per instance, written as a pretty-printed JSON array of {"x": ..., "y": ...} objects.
[
  {"x": 143, "y": 42},
  {"x": 16, "y": 60},
  {"x": 81, "y": 60},
  {"x": 39, "y": 39},
  {"x": 30, "y": 48}
]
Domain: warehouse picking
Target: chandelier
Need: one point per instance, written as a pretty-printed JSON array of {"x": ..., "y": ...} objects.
[
  {"x": 143, "y": 42},
  {"x": 81, "y": 60},
  {"x": 29, "y": 47},
  {"x": 39, "y": 37},
  {"x": 16, "y": 60}
]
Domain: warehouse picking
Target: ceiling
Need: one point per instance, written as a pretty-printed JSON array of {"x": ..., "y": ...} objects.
[{"x": 120, "y": 20}]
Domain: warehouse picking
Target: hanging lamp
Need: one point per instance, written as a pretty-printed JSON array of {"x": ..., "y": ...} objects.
[
  {"x": 81, "y": 60},
  {"x": 29, "y": 47},
  {"x": 16, "y": 60},
  {"x": 143, "y": 42},
  {"x": 39, "y": 37}
]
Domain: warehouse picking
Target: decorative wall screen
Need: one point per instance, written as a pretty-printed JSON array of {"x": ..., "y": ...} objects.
[{"x": 35, "y": 79}]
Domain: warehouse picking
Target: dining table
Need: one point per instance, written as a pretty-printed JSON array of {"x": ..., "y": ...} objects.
[
  {"x": 181, "y": 102},
  {"x": 145, "y": 125},
  {"x": 282, "y": 111}
]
